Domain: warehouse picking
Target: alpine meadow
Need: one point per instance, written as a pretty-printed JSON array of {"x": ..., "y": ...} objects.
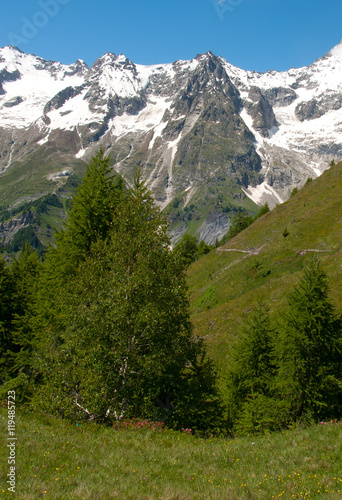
[
  {"x": 170, "y": 279},
  {"x": 100, "y": 333}
]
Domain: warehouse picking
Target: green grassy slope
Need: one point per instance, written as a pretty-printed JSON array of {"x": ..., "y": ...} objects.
[
  {"x": 58, "y": 460},
  {"x": 28, "y": 181},
  {"x": 262, "y": 263}
]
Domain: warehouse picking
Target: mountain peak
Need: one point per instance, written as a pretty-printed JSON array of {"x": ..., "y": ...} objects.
[
  {"x": 111, "y": 60},
  {"x": 79, "y": 67},
  {"x": 206, "y": 55},
  {"x": 9, "y": 53},
  {"x": 14, "y": 48},
  {"x": 336, "y": 51}
]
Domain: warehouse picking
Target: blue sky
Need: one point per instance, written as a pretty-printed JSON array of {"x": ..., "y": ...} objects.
[{"x": 256, "y": 35}]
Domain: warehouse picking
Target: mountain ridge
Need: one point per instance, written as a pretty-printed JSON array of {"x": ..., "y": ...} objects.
[{"x": 205, "y": 133}]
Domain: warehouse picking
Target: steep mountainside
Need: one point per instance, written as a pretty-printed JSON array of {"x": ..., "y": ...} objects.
[
  {"x": 264, "y": 261},
  {"x": 208, "y": 136}
]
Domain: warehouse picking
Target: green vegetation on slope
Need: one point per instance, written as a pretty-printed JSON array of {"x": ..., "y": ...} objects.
[
  {"x": 263, "y": 263},
  {"x": 260, "y": 263},
  {"x": 106, "y": 332},
  {"x": 290, "y": 370}
]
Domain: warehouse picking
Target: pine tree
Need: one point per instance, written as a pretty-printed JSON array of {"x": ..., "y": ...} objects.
[
  {"x": 252, "y": 374},
  {"x": 24, "y": 271},
  {"x": 187, "y": 249},
  {"x": 203, "y": 249},
  {"x": 7, "y": 307},
  {"x": 264, "y": 209},
  {"x": 240, "y": 222},
  {"x": 88, "y": 221},
  {"x": 309, "y": 350},
  {"x": 89, "y": 218}
]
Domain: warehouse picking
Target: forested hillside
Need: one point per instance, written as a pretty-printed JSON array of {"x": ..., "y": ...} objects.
[
  {"x": 268, "y": 263},
  {"x": 101, "y": 329}
]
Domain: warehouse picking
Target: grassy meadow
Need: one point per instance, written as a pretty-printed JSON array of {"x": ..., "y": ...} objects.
[{"x": 59, "y": 460}]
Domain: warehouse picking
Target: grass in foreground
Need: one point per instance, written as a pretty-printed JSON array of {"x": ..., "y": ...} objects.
[{"x": 59, "y": 460}]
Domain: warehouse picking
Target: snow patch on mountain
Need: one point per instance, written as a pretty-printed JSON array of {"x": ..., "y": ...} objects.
[
  {"x": 262, "y": 193},
  {"x": 336, "y": 51},
  {"x": 259, "y": 139},
  {"x": 39, "y": 81},
  {"x": 74, "y": 112},
  {"x": 149, "y": 118}
]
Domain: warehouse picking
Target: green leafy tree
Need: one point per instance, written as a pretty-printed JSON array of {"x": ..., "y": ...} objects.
[
  {"x": 25, "y": 270},
  {"x": 264, "y": 209},
  {"x": 309, "y": 349},
  {"x": 240, "y": 222},
  {"x": 203, "y": 249},
  {"x": 198, "y": 405},
  {"x": 123, "y": 345},
  {"x": 89, "y": 220},
  {"x": 294, "y": 192}
]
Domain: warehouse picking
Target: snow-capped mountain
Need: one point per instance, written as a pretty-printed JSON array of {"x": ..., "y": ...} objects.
[{"x": 208, "y": 136}]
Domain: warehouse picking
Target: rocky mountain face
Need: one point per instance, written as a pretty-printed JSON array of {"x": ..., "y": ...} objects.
[{"x": 210, "y": 138}]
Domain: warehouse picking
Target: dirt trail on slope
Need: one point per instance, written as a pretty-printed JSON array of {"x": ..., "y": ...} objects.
[
  {"x": 310, "y": 250},
  {"x": 252, "y": 251},
  {"x": 256, "y": 251}
]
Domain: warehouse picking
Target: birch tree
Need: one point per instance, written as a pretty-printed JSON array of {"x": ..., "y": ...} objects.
[{"x": 126, "y": 345}]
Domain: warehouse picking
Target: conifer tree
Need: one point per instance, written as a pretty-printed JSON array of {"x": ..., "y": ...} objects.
[
  {"x": 203, "y": 249},
  {"x": 187, "y": 249},
  {"x": 18, "y": 286},
  {"x": 240, "y": 222},
  {"x": 264, "y": 209},
  {"x": 309, "y": 349},
  {"x": 7, "y": 306},
  {"x": 24, "y": 271},
  {"x": 89, "y": 218},
  {"x": 252, "y": 374}
]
